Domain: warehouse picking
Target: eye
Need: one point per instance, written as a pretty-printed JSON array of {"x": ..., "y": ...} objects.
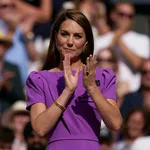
[
  {"x": 63, "y": 34},
  {"x": 78, "y": 36}
]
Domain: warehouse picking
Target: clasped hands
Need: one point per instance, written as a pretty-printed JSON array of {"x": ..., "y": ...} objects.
[{"x": 89, "y": 72}]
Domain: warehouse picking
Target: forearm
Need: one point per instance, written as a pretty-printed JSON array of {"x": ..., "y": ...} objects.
[
  {"x": 109, "y": 113},
  {"x": 32, "y": 52},
  {"x": 45, "y": 121},
  {"x": 42, "y": 14},
  {"x": 134, "y": 59}
]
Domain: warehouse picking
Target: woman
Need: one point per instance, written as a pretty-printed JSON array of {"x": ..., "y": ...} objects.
[
  {"x": 63, "y": 99},
  {"x": 106, "y": 58},
  {"x": 135, "y": 125},
  {"x": 34, "y": 12}
]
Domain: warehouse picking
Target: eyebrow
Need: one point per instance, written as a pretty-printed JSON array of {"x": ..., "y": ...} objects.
[{"x": 81, "y": 33}]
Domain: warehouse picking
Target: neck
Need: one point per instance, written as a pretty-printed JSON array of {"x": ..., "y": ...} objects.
[{"x": 19, "y": 137}]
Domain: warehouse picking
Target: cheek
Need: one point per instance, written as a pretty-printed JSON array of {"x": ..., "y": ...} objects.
[
  {"x": 80, "y": 44},
  {"x": 61, "y": 41}
]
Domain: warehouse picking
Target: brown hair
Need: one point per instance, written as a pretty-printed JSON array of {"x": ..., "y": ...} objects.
[
  {"x": 129, "y": 114},
  {"x": 53, "y": 56}
]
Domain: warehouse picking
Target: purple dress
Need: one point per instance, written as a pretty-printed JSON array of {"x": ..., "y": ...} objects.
[{"x": 79, "y": 126}]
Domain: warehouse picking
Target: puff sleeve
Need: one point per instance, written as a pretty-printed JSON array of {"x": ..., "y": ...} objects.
[
  {"x": 34, "y": 89},
  {"x": 109, "y": 89}
]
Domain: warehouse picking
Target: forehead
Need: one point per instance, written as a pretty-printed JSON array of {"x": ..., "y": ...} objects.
[
  {"x": 71, "y": 26},
  {"x": 125, "y": 7},
  {"x": 5, "y": 1}
]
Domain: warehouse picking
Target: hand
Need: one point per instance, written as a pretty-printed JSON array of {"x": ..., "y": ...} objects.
[
  {"x": 89, "y": 72},
  {"x": 26, "y": 24},
  {"x": 71, "y": 81},
  {"x": 5, "y": 83}
]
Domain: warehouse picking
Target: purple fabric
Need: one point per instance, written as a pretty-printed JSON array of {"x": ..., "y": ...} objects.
[{"x": 81, "y": 119}]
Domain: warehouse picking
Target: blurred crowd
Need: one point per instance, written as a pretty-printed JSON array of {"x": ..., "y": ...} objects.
[{"x": 24, "y": 38}]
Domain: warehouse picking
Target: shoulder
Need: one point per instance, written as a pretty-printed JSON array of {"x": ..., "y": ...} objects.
[
  {"x": 37, "y": 74},
  {"x": 141, "y": 143},
  {"x": 36, "y": 77},
  {"x": 143, "y": 140},
  {"x": 119, "y": 145},
  {"x": 106, "y": 73},
  {"x": 137, "y": 35},
  {"x": 102, "y": 41}
]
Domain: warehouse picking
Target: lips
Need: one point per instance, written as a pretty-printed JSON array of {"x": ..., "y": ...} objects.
[{"x": 68, "y": 49}]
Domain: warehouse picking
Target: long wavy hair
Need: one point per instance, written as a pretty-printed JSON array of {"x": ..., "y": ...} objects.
[{"x": 53, "y": 55}]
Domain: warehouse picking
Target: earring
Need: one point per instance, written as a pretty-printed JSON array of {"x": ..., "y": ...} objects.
[{"x": 83, "y": 48}]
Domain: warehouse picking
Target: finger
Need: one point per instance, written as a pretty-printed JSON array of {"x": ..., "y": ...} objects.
[
  {"x": 94, "y": 63},
  {"x": 84, "y": 70},
  {"x": 68, "y": 65},
  {"x": 87, "y": 64},
  {"x": 64, "y": 67},
  {"x": 95, "y": 60},
  {"x": 91, "y": 62}
]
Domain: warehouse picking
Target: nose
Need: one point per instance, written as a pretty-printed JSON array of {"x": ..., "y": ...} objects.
[{"x": 70, "y": 41}]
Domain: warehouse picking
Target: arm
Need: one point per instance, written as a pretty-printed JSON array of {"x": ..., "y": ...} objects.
[
  {"x": 41, "y": 14},
  {"x": 133, "y": 58},
  {"x": 44, "y": 119},
  {"x": 107, "y": 107},
  {"x": 32, "y": 52}
]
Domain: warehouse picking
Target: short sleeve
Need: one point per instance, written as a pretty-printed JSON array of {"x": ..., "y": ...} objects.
[
  {"x": 109, "y": 88},
  {"x": 34, "y": 89}
]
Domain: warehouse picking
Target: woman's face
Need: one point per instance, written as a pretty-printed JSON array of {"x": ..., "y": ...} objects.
[
  {"x": 105, "y": 59},
  {"x": 135, "y": 125},
  {"x": 70, "y": 39}
]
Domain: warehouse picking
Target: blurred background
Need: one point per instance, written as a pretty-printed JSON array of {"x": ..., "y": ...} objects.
[{"x": 121, "y": 30}]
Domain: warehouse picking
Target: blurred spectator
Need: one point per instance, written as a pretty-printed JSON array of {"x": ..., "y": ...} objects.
[
  {"x": 106, "y": 58},
  {"x": 33, "y": 140},
  {"x": 133, "y": 127},
  {"x": 140, "y": 98},
  {"x": 106, "y": 139},
  {"x": 16, "y": 118},
  {"x": 10, "y": 82},
  {"x": 129, "y": 46},
  {"x": 37, "y": 17},
  {"x": 141, "y": 144},
  {"x": 100, "y": 19},
  {"x": 6, "y": 138},
  {"x": 86, "y": 7},
  {"x": 22, "y": 50}
]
